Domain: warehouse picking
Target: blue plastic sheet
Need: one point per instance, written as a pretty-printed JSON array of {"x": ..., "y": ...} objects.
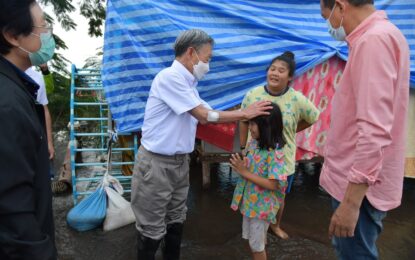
[
  {"x": 139, "y": 37},
  {"x": 90, "y": 212}
]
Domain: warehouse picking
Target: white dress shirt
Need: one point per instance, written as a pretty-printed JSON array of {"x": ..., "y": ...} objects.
[{"x": 168, "y": 126}]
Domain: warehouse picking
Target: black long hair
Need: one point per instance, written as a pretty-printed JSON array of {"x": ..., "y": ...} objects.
[
  {"x": 289, "y": 58},
  {"x": 15, "y": 18},
  {"x": 270, "y": 129}
]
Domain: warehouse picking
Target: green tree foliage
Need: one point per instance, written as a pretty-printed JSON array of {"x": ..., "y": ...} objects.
[
  {"x": 59, "y": 61},
  {"x": 59, "y": 100},
  {"x": 92, "y": 10},
  {"x": 94, "y": 62}
]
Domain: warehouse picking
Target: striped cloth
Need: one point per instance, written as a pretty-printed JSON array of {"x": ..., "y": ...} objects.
[{"x": 139, "y": 37}]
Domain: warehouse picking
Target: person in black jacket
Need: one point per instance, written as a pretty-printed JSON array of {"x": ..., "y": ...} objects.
[{"x": 26, "y": 220}]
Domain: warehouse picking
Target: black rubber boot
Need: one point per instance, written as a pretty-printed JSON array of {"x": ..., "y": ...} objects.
[
  {"x": 172, "y": 241},
  {"x": 146, "y": 247}
]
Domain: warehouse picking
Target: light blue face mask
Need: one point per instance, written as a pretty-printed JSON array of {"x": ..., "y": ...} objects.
[
  {"x": 46, "y": 51},
  {"x": 339, "y": 33}
]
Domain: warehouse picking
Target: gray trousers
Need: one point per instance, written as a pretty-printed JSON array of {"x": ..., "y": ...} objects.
[{"x": 159, "y": 190}]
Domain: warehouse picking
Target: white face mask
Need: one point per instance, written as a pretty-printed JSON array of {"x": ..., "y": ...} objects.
[
  {"x": 339, "y": 33},
  {"x": 200, "y": 69}
]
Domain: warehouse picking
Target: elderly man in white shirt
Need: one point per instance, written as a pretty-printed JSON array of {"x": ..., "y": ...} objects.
[{"x": 161, "y": 174}]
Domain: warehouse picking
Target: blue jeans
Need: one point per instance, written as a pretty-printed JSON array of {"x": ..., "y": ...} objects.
[
  {"x": 290, "y": 181},
  {"x": 363, "y": 244}
]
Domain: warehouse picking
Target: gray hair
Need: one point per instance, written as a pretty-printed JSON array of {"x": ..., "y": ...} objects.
[
  {"x": 191, "y": 38},
  {"x": 330, "y": 3}
]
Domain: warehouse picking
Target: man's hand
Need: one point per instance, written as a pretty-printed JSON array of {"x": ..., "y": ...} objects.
[
  {"x": 258, "y": 108},
  {"x": 344, "y": 220}
]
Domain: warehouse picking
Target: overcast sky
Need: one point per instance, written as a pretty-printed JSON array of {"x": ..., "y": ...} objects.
[{"x": 80, "y": 45}]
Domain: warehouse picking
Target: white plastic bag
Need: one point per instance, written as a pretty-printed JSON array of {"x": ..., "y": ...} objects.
[{"x": 119, "y": 212}]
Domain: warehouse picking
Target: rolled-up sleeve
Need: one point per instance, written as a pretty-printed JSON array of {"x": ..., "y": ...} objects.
[{"x": 374, "y": 72}]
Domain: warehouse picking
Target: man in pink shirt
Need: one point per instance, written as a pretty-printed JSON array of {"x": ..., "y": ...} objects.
[{"x": 364, "y": 154}]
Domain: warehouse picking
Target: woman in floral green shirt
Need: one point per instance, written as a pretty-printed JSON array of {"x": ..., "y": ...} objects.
[{"x": 261, "y": 188}]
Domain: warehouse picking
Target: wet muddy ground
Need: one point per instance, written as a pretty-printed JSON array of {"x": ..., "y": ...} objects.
[{"x": 213, "y": 230}]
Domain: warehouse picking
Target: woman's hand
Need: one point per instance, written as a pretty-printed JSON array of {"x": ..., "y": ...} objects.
[{"x": 239, "y": 164}]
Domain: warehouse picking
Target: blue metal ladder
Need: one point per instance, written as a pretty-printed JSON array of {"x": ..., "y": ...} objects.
[{"x": 88, "y": 81}]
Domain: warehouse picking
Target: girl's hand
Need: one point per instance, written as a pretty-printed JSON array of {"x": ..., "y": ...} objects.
[{"x": 239, "y": 164}]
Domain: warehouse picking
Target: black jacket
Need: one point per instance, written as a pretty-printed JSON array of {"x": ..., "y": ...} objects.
[{"x": 26, "y": 220}]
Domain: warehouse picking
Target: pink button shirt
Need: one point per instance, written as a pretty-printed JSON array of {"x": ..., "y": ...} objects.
[{"x": 366, "y": 141}]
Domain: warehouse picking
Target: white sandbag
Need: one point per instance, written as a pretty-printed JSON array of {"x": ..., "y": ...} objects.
[
  {"x": 119, "y": 212},
  {"x": 111, "y": 181}
]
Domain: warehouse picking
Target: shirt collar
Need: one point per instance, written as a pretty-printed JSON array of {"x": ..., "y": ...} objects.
[
  {"x": 182, "y": 70},
  {"x": 364, "y": 26},
  {"x": 276, "y": 95}
]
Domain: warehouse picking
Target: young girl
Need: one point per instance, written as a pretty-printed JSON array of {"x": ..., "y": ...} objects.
[
  {"x": 298, "y": 113},
  {"x": 261, "y": 188}
]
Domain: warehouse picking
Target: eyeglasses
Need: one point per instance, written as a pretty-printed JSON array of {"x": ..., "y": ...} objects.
[{"x": 47, "y": 27}]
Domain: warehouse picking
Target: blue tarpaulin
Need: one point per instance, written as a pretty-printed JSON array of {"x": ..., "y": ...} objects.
[{"x": 139, "y": 38}]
